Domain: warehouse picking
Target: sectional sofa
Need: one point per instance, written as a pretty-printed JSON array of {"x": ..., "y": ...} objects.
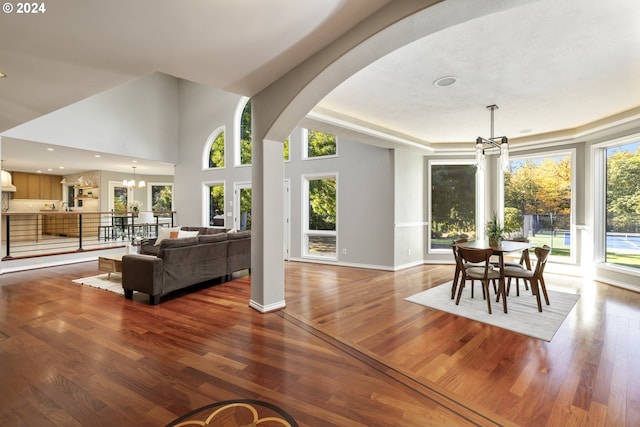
[{"x": 183, "y": 257}]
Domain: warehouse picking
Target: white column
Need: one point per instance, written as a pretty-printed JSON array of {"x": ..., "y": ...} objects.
[{"x": 267, "y": 261}]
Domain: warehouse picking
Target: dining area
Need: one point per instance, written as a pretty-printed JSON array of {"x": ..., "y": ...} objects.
[{"x": 483, "y": 261}]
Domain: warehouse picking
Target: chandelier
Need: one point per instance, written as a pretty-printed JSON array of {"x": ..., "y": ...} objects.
[
  {"x": 131, "y": 183},
  {"x": 499, "y": 142}
]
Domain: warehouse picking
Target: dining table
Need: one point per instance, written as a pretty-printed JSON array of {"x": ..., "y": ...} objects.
[{"x": 499, "y": 249}]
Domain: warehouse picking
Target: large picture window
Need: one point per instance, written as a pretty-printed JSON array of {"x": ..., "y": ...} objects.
[
  {"x": 453, "y": 203},
  {"x": 622, "y": 240},
  {"x": 320, "y": 216},
  {"x": 537, "y": 201}
]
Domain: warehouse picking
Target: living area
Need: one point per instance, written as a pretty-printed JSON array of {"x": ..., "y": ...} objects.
[{"x": 346, "y": 348}]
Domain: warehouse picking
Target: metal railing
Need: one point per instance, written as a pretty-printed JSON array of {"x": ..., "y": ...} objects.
[{"x": 30, "y": 234}]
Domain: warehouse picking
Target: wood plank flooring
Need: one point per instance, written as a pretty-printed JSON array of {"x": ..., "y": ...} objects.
[{"x": 346, "y": 351}]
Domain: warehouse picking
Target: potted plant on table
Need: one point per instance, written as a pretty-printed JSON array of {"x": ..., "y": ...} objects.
[{"x": 494, "y": 230}]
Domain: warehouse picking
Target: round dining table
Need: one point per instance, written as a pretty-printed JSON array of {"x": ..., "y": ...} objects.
[{"x": 499, "y": 249}]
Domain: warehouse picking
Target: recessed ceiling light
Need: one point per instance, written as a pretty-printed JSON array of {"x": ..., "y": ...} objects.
[
  {"x": 2, "y": 75},
  {"x": 61, "y": 167},
  {"x": 41, "y": 171},
  {"x": 49, "y": 169},
  {"x": 97, "y": 155},
  {"x": 49, "y": 149},
  {"x": 445, "y": 81}
]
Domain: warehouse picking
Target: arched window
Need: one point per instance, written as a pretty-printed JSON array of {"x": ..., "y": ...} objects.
[
  {"x": 245, "y": 135},
  {"x": 243, "y": 146},
  {"x": 214, "y": 150}
]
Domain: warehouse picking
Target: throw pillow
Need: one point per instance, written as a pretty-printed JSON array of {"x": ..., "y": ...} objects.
[
  {"x": 183, "y": 234},
  {"x": 166, "y": 233}
]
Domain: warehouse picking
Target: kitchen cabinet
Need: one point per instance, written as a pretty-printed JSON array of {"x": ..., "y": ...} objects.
[
  {"x": 68, "y": 224},
  {"x": 37, "y": 186}
]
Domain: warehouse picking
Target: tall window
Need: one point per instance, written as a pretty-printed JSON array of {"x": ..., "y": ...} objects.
[
  {"x": 622, "y": 242},
  {"x": 320, "y": 144},
  {"x": 286, "y": 149},
  {"x": 242, "y": 205},
  {"x": 320, "y": 216},
  {"x": 216, "y": 205},
  {"x": 161, "y": 199},
  {"x": 537, "y": 201},
  {"x": 245, "y": 135},
  {"x": 216, "y": 153},
  {"x": 119, "y": 198},
  {"x": 453, "y": 203}
]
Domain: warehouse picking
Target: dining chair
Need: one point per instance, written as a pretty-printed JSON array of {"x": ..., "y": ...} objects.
[
  {"x": 483, "y": 273},
  {"x": 523, "y": 263},
  {"x": 536, "y": 277},
  {"x": 459, "y": 266}
]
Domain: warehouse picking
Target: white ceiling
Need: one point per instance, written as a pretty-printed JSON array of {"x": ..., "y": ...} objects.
[{"x": 549, "y": 65}]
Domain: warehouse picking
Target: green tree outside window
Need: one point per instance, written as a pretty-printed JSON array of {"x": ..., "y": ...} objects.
[{"x": 216, "y": 155}]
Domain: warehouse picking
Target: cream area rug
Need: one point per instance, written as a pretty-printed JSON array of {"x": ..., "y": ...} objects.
[
  {"x": 100, "y": 281},
  {"x": 523, "y": 316}
]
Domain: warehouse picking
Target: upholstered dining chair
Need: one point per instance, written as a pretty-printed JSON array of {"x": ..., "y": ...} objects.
[
  {"x": 483, "y": 273},
  {"x": 524, "y": 263},
  {"x": 536, "y": 277}
]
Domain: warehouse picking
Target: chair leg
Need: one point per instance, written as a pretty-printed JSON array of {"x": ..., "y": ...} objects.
[
  {"x": 536, "y": 288},
  {"x": 485, "y": 288},
  {"x": 544, "y": 290},
  {"x": 454, "y": 285},
  {"x": 460, "y": 288},
  {"x": 502, "y": 291}
]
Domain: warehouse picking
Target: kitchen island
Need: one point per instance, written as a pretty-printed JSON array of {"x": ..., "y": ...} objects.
[{"x": 31, "y": 226}]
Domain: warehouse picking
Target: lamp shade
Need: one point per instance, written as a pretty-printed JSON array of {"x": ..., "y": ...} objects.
[{"x": 146, "y": 217}]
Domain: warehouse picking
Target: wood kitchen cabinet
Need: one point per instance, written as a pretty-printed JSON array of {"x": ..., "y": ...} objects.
[{"x": 37, "y": 186}]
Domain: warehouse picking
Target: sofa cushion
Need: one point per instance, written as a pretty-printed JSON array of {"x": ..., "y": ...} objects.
[
  {"x": 212, "y": 238},
  {"x": 187, "y": 233},
  {"x": 176, "y": 243},
  {"x": 236, "y": 235},
  {"x": 166, "y": 233}
]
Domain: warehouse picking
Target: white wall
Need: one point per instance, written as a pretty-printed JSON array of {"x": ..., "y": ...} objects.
[
  {"x": 410, "y": 221},
  {"x": 138, "y": 119},
  {"x": 203, "y": 110}
]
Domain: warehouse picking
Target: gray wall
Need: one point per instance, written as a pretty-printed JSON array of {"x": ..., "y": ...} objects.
[{"x": 365, "y": 178}]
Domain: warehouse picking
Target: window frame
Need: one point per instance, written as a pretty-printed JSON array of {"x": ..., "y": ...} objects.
[
  {"x": 206, "y": 208},
  {"x": 305, "y": 145},
  {"x": 306, "y": 232},
  {"x": 479, "y": 203},
  {"x": 599, "y": 203},
  {"x": 573, "y": 229},
  {"x": 237, "y": 124},
  {"x": 206, "y": 156}
]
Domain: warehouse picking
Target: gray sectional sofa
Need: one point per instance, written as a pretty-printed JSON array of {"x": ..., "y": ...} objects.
[{"x": 176, "y": 263}]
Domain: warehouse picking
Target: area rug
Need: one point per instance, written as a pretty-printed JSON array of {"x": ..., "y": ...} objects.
[
  {"x": 523, "y": 316},
  {"x": 100, "y": 281},
  {"x": 236, "y": 413}
]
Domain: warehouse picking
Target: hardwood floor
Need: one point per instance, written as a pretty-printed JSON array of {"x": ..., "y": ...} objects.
[{"x": 346, "y": 351}]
